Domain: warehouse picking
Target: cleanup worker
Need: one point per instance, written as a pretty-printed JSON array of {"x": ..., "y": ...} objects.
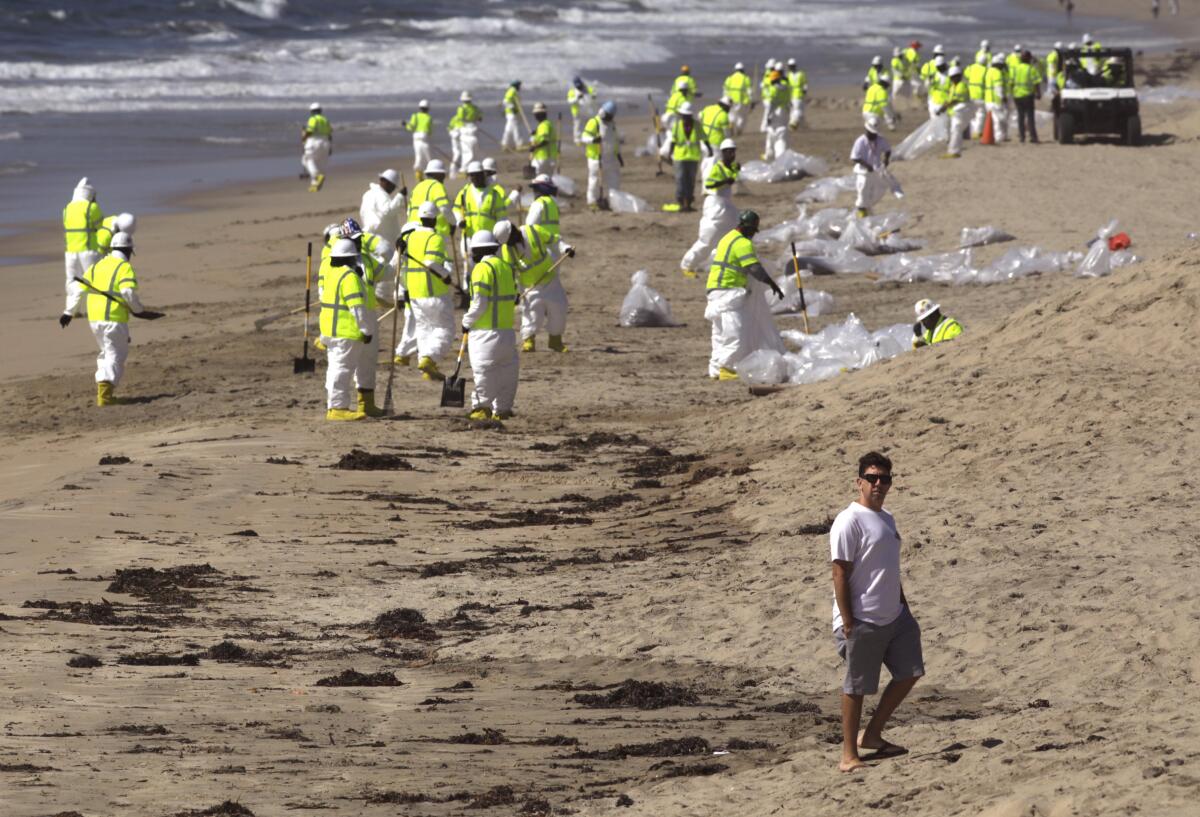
[
  {"x": 109, "y": 319},
  {"x": 377, "y": 278},
  {"x": 1053, "y": 67},
  {"x": 433, "y": 188},
  {"x": 344, "y": 327},
  {"x": 741, "y": 320},
  {"x": 511, "y": 138},
  {"x": 932, "y": 326},
  {"x": 877, "y": 104},
  {"x": 984, "y": 55},
  {"x": 738, "y": 88},
  {"x": 975, "y": 75},
  {"x": 718, "y": 216},
  {"x": 469, "y": 118},
  {"x": 581, "y": 100},
  {"x": 685, "y": 77},
  {"x": 715, "y": 129},
  {"x": 797, "y": 81},
  {"x": 929, "y": 68},
  {"x": 765, "y": 90},
  {"x": 939, "y": 84},
  {"x": 317, "y": 138},
  {"x": 488, "y": 325},
  {"x": 873, "y": 72},
  {"x": 454, "y": 129},
  {"x": 898, "y": 69},
  {"x": 871, "y": 155},
  {"x": 912, "y": 61},
  {"x": 383, "y": 206},
  {"x": 682, "y": 149},
  {"x": 479, "y": 205},
  {"x": 602, "y": 146},
  {"x": 544, "y": 211},
  {"x": 1013, "y": 59},
  {"x": 510, "y": 197},
  {"x": 775, "y": 116},
  {"x": 1089, "y": 64},
  {"x": 531, "y": 253},
  {"x": 1026, "y": 85},
  {"x": 958, "y": 106},
  {"x": 995, "y": 96},
  {"x": 123, "y": 223},
  {"x": 82, "y": 218},
  {"x": 543, "y": 144},
  {"x": 426, "y": 288},
  {"x": 679, "y": 96},
  {"x": 420, "y": 124}
]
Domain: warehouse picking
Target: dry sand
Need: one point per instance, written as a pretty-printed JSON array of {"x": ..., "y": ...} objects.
[{"x": 636, "y": 521}]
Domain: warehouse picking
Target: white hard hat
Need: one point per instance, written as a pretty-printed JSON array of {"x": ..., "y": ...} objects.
[
  {"x": 1087, "y": 39},
  {"x": 726, "y": 101},
  {"x": 686, "y": 109},
  {"x": 1017, "y": 47},
  {"x": 122, "y": 241},
  {"x": 86, "y": 188},
  {"x": 924, "y": 308},
  {"x": 896, "y": 51},
  {"x": 998, "y": 59},
  {"x": 435, "y": 166},
  {"x": 791, "y": 60},
  {"x": 738, "y": 66},
  {"x": 877, "y": 60},
  {"x": 1058, "y": 44},
  {"x": 332, "y": 229},
  {"x": 427, "y": 210},
  {"x": 316, "y": 106},
  {"x": 542, "y": 179},
  {"x": 465, "y": 96},
  {"x": 391, "y": 175},
  {"x": 502, "y": 230},
  {"x": 939, "y": 61},
  {"x": 728, "y": 144},
  {"x": 884, "y": 78},
  {"x": 872, "y": 124},
  {"x": 938, "y": 49},
  {"x": 984, "y": 44},
  {"x": 1073, "y": 46},
  {"x": 682, "y": 85},
  {"x": 489, "y": 165},
  {"x": 474, "y": 166},
  {"x": 539, "y": 107},
  {"x": 424, "y": 103},
  {"x": 484, "y": 239},
  {"x": 409, "y": 226},
  {"x": 126, "y": 223},
  {"x": 956, "y": 71},
  {"x": 343, "y": 248}
]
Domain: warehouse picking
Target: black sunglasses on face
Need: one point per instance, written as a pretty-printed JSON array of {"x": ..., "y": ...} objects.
[{"x": 886, "y": 479}]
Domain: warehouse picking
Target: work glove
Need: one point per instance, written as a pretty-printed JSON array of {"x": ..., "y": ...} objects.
[
  {"x": 404, "y": 192},
  {"x": 367, "y": 338},
  {"x": 570, "y": 254},
  {"x": 64, "y": 320},
  {"x": 778, "y": 292},
  {"x": 918, "y": 330},
  {"x": 466, "y": 330},
  {"x": 461, "y": 225},
  {"x": 620, "y": 160}
]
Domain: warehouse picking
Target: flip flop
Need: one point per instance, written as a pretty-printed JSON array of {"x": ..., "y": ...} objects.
[{"x": 883, "y": 752}]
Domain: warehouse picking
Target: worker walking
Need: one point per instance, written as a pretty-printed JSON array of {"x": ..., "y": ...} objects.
[
  {"x": 433, "y": 189},
  {"x": 765, "y": 90},
  {"x": 544, "y": 211},
  {"x": 479, "y": 205},
  {"x": 122, "y": 223},
  {"x": 581, "y": 100},
  {"x": 1053, "y": 67},
  {"x": 995, "y": 97},
  {"x": 685, "y": 77},
  {"x": 420, "y": 124},
  {"x": 317, "y": 138},
  {"x": 984, "y": 54},
  {"x": 957, "y": 105},
  {"x": 715, "y": 128},
  {"x": 738, "y": 89},
  {"x": 929, "y": 68},
  {"x": 975, "y": 75},
  {"x": 871, "y": 155},
  {"x": 741, "y": 320},
  {"x": 680, "y": 95},
  {"x": 383, "y": 206},
  {"x": 489, "y": 326},
  {"x": 512, "y": 197},
  {"x": 602, "y": 146},
  {"x": 873, "y": 72},
  {"x": 513, "y": 113},
  {"x": 377, "y": 276},
  {"x": 797, "y": 81},
  {"x": 82, "y": 218},
  {"x": 718, "y": 216},
  {"x": 932, "y": 326},
  {"x": 877, "y": 103},
  {"x": 775, "y": 117},
  {"x": 543, "y": 144},
  {"x": 532, "y": 253},
  {"x": 344, "y": 327},
  {"x": 111, "y": 296},
  {"x": 682, "y": 149},
  {"x": 425, "y": 287},
  {"x": 1026, "y": 85},
  {"x": 938, "y": 85},
  {"x": 898, "y": 69},
  {"x": 912, "y": 66},
  {"x": 468, "y": 117}
]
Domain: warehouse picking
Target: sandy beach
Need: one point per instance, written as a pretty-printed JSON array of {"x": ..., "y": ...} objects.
[{"x": 619, "y": 604}]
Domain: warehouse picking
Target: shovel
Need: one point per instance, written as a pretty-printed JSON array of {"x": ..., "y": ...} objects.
[
  {"x": 464, "y": 300},
  {"x": 800, "y": 286},
  {"x": 305, "y": 364},
  {"x": 145, "y": 314},
  {"x": 454, "y": 388}
]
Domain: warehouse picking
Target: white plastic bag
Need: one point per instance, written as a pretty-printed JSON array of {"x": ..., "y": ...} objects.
[
  {"x": 842, "y": 347},
  {"x": 925, "y": 138},
  {"x": 565, "y": 185},
  {"x": 787, "y": 167},
  {"x": 1098, "y": 261},
  {"x": 817, "y": 302},
  {"x": 826, "y": 190},
  {"x": 623, "y": 202},
  {"x": 643, "y": 305},
  {"x": 763, "y": 367},
  {"x": 982, "y": 236}
]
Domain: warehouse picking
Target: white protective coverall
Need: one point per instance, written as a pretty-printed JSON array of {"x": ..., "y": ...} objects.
[
  {"x": 456, "y": 162},
  {"x": 606, "y": 171},
  {"x": 380, "y": 213},
  {"x": 428, "y": 322},
  {"x": 77, "y": 263},
  {"x": 367, "y": 365},
  {"x": 869, "y": 184},
  {"x": 495, "y": 361},
  {"x": 343, "y": 358},
  {"x": 421, "y": 151},
  {"x": 741, "y": 323},
  {"x": 468, "y": 143},
  {"x": 717, "y": 217},
  {"x": 112, "y": 337},
  {"x": 316, "y": 155},
  {"x": 775, "y": 121},
  {"x": 544, "y": 307}
]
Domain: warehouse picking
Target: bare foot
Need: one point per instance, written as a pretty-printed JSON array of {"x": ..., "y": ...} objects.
[{"x": 851, "y": 765}]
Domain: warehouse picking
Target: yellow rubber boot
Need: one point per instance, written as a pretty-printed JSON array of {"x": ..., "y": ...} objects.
[
  {"x": 104, "y": 394},
  {"x": 861, "y": 212},
  {"x": 366, "y": 403},
  {"x": 502, "y": 415},
  {"x": 480, "y": 413},
  {"x": 320, "y": 181},
  {"x": 429, "y": 369},
  {"x": 529, "y": 345},
  {"x": 556, "y": 344},
  {"x": 420, "y": 176},
  {"x": 343, "y": 414},
  {"x": 402, "y": 360},
  {"x": 690, "y": 273},
  {"x": 671, "y": 207},
  {"x": 727, "y": 374}
]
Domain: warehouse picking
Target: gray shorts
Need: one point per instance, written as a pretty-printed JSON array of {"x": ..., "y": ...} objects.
[{"x": 870, "y": 646}]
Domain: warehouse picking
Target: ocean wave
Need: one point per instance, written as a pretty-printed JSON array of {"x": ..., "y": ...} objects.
[
  {"x": 17, "y": 168},
  {"x": 263, "y": 9},
  {"x": 9, "y": 136}
]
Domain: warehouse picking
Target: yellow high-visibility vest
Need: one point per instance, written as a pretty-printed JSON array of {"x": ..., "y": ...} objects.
[
  {"x": 110, "y": 274},
  {"x": 493, "y": 278},
  {"x": 734, "y": 253},
  {"x": 429, "y": 248},
  {"x": 81, "y": 220}
]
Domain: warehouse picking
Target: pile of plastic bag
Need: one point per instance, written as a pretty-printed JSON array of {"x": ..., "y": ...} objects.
[
  {"x": 935, "y": 134},
  {"x": 643, "y": 305},
  {"x": 825, "y": 190},
  {"x": 982, "y": 236},
  {"x": 959, "y": 267},
  {"x": 1167, "y": 94},
  {"x": 622, "y": 202},
  {"x": 1100, "y": 259},
  {"x": 788, "y": 167},
  {"x": 836, "y": 348},
  {"x": 816, "y": 301}
]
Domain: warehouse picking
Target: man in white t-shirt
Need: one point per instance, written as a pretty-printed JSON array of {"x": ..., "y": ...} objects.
[{"x": 872, "y": 625}]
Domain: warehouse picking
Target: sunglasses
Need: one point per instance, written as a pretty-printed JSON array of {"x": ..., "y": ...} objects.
[{"x": 886, "y": 479}]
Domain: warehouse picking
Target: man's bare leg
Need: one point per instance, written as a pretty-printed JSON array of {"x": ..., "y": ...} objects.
[
  {"x": 893, "y": 694},
  {"x": 851, "y": 717}
]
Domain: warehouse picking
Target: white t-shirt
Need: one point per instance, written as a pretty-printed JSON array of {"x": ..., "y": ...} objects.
[{"x": 869, "y": 541}]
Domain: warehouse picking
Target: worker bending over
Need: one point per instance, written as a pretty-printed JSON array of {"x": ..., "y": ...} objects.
[{"x": 532, "y": 253}]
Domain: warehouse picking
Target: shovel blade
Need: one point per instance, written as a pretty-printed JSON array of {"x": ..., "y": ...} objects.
[
  {"x": 454, "y": 392},
  {"x": 303, "y": 365}
]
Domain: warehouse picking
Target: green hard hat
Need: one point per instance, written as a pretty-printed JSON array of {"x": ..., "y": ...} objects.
[{"x": 748, "y": 218}]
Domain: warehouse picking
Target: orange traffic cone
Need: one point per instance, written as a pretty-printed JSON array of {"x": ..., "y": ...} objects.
[{"x": 988, "y": 137}]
